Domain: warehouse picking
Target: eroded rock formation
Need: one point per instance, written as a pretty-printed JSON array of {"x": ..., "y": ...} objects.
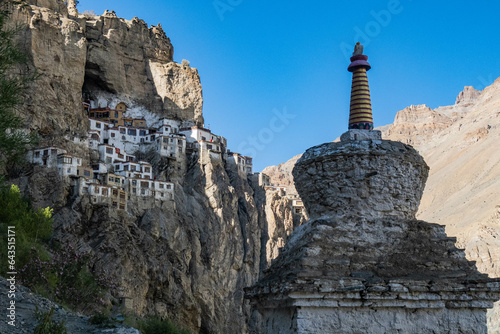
[{"x": 88, "y": 55}]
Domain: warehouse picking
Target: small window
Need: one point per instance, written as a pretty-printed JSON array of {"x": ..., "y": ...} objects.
[
  {"x": 132, "y": 132},
  {"x": 37, "y": 154},
  {"x": 86, "y": 173},
  {"x": 116, "y": 114},
  {"x": 122, "y": 130},
  {"x": 134, "y": 182},
  {"x": 169, "y": 186},
  {"x": 108, "y": 160},
  {"x": 147, "y": 169},
  {"x": 69, "y": 170},
  {"x": 117, "y": 167},
  {"x": 125, "y": 168},
  {"x": 98, "y": 125},
  {"x": 109, "y": 150},
  {"x": 112, "y": 135},
  {"x": 161, "y": 185}
]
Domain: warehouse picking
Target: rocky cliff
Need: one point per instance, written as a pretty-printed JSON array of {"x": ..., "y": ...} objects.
[
  {"x": 79, "y": 54},
  {"x": 282, "y": 174},
  {"x": 189, "y": 258},
  {"x": 464, "y": 183}
]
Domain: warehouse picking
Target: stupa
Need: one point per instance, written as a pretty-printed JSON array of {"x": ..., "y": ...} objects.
[{"x": 363, "y": 263}]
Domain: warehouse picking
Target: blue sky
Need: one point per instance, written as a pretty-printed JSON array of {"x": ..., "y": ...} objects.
[{"x": 274, "y": 72}]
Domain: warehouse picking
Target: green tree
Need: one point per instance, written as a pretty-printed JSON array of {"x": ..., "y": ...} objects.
[
  {"x": 32, "y": 228},
  {"x": 14, "y": 80}
]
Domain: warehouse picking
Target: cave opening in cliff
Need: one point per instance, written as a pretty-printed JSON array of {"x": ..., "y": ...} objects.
[{"x": 95, "y": 82}]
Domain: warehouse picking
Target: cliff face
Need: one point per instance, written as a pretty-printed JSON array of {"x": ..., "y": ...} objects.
[
  {"x": 464, "y": 182},
  {"x": 100, "y": 54},
  {"x": 189, "y": 258},
  {"x": 186, "y": 259}
]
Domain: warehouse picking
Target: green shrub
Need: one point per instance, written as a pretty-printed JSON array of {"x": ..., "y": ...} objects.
[
  {"x": 156, "y": 325},
  {"x": 48, "y": 326},
  {"x": 32, "y": 227}
]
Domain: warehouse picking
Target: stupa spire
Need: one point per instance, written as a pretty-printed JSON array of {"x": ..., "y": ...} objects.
[{"x": 360, "y": 113}]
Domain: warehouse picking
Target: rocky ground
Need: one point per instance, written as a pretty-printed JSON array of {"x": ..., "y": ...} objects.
[{"x": 25, "y": 321}]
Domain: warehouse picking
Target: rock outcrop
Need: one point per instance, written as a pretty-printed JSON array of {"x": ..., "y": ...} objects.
[
  {"x": 468, "y": 96},
  {"x": 413, "y": 124},
  {"x": 187, "y": 259},
  {"x": 78, "y": 54}
]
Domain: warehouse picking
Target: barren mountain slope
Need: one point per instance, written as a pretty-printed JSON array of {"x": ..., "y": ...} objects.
[{"x": 463, "y": 189}]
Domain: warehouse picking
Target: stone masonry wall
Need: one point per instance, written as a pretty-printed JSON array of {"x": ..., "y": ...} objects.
[{"x": 371, "y": 178}]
